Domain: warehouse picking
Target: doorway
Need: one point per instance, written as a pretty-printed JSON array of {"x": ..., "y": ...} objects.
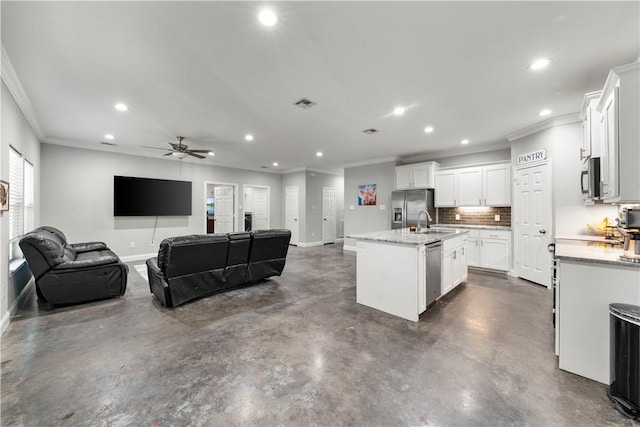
[
  {"x": 328, "y": 215},
  {"x": 257, "y": 207},
  {"x": 291, "y": 212},
  {"x": 533, "y": 224},
  {"x": 221, "y": 206}
]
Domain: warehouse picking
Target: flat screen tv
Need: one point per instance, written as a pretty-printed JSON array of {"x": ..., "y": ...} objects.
[{"x": 150, "y": 197}]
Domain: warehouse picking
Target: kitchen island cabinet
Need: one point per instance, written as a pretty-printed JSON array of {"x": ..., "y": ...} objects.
[{"x": 391, "y": 270}]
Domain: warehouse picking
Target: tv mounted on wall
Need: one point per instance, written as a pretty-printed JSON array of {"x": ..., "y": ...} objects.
[{"x": 150, "y": 197}]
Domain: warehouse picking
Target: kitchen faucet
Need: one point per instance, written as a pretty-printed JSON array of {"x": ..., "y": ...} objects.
[{"x": 419, "y": 227}]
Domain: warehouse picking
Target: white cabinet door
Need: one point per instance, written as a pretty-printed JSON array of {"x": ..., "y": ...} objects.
[
  {"x": 497, "y": 185},
  {"x": 610, "y": 183},
  {"x": 469, "y": 187},
  {"x": 473, "y": 252},
  {"x": 463, "y": 270},
  {"x": 445, "y": 188},
  {"x": 422, "y": 176},
  {"x": 494, "y": 254},
  {"x": 448, "y": 267},
  {"x": 403, "y": 178}
]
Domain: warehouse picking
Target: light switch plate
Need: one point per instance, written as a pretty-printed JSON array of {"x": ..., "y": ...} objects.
[
  {"x": 351, "y": 207},
  {"x": 383, "y": 207},
  {"x": 457, "y": 217},
  {"x": 497, "y": 217}
]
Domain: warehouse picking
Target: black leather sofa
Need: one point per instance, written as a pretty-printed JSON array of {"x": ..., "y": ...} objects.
[
  {"x": 190, "y": 267},
  {"x": 72, "y": 273}
]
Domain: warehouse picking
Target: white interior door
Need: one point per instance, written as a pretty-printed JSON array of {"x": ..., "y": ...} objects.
[
  {"x": 328, "y": 215},
  {"x": 291, "y": 210},
  {"x": 533, "y": 224},
  {"x": 224, "y": 209},
  {"x": 260, "y": 206}
]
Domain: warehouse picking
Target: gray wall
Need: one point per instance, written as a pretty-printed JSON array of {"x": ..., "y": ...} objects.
[
  {"x": 16, "y": 132},
  {"x": 363, "y": 219},
  {"x": 77, "y": 196},
  {"x": 562, "y": 145}
]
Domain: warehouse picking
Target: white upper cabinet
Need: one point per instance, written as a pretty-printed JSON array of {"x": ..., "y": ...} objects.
[
  {"x": 419, "y": 175},
  {"x": 619, "y": 107},
  {"x": 590, "y": 126},
  {"x": 476, "y": 186}
]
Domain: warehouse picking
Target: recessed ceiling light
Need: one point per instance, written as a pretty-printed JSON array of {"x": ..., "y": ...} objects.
[
  {"x": 398, "y": 111},
  {"x": 539, "y": 64},
  {"x": 544, "y": 112},
  {"x": 108, "y": 136},
  {"x": 275, "y": 163},
  {"x": 211, "y": 153},
  {"x": 121, "y": 106},
  {"x": 428, "y": 129},
  {"x": 319, "y": 154},
  {"x": 464, "y": 142},
  {"x": 248, "y": 137},
  {"x": 267, "y": 17}
]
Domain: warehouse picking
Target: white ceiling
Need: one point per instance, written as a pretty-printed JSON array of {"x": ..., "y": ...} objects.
[{"x": 210, "y": 72}]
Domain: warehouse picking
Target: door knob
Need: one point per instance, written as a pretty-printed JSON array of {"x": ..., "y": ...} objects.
[{"x": 543, "y": 231}]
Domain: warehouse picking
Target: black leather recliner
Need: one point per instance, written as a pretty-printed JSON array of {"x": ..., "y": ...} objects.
[
  {"x": 66, "y": 275},
  {"x": 190, "y": 267}
]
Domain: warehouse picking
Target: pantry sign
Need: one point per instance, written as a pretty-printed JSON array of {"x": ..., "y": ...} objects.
[{"x": 533, "y": 157}]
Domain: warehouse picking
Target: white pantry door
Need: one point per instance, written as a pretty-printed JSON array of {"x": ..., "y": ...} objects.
[
  {"x": 328, "y": 215},
  {"x": 533, "y": 224},
  {"x": 291, "y": 211},
  {"x": 224, "y": 209}
]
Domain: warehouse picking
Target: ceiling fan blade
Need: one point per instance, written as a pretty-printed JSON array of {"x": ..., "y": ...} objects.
[
  {"x": 169, "y": 153},
  {"x": 155, "y": 148},
  {"x": 195, "y": 155},
  {"x": 199, "y": 151},
  {"x": 175, "y": 146}
]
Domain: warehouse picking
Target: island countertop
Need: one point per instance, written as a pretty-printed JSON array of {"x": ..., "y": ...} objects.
[{"x": 403, "y": 236}]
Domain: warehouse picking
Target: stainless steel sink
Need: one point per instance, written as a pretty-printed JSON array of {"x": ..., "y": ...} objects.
[{"x": 432, "y": 231}]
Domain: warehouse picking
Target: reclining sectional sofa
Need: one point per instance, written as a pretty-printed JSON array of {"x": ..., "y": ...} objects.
[
  {"x": 72, "y": 273},
  {"x": 190, "y": 267}
]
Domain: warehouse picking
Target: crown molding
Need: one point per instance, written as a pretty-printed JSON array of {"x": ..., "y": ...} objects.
[
  {"x": 10, "y": 78},
  {"x": 306, "y": 169},
  {"x": 586, "y": 101},
  {"x": 612, "y": 80},
  {"x": 549, "y": 123},
  {"x": 370, "y": 162}
]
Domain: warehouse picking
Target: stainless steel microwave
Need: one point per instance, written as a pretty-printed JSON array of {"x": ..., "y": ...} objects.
[{"x": 590, "y": 179}]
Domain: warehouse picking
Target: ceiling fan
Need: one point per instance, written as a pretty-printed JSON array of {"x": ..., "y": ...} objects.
[{"x": 181, "y": 150}]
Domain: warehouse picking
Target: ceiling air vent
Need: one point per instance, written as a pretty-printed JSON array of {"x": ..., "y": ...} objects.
[
  {"x": 304, "y": 103},
  {"x": 110, "y": 144},
  {"x": 370, "y": 131},
  {"x": 264, "y": 167}
]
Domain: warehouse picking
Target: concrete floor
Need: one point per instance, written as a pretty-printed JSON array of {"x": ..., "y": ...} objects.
[{"x": 296, "y": 350}]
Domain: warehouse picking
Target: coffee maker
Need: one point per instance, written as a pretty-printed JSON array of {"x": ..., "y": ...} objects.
[{"x": 629, "y": 226}]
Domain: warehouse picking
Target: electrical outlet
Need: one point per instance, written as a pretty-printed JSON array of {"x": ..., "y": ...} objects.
[
  {"x": 457, "y": 217},
  {"x": 497, "y": 217},
  {"x": 132, "y": 244},
  {"x": 383, "y": 207}
]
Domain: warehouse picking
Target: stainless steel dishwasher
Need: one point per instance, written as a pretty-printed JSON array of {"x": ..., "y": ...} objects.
[{"x": 433, "y": 266}]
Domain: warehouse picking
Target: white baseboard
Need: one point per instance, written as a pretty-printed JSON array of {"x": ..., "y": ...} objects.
[
  {"x": 350, "y": 248},
  {"x": 6, "y": 319},
  {"x": 310, "y": 244},
  {"x": 141, "y": 257}
]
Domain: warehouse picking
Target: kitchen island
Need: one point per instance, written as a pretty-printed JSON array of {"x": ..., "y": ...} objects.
[
  {"x": 591, "y": 276},
  {"x": 396, "y": 272}
]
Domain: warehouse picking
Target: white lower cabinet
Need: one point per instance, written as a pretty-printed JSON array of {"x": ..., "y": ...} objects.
[
  {"x": 489, "y": 249},
  {"x": 454, "y": 263}
]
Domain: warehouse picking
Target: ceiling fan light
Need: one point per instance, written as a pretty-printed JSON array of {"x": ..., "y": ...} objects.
[{"x": 179, "y": 155}]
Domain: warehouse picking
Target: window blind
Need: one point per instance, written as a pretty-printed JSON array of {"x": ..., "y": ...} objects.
[
  {"x": 28, "y": 197},
  {"x": 16, "y": 204}
]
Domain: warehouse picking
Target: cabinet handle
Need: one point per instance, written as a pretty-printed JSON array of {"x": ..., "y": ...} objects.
[
  {"x": 485, "y": 201},
  {"x": 479, "y": 201},
  {"x": 454, "y": 202}
]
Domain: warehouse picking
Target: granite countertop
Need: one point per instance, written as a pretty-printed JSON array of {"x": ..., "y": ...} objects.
[
  {"x": 480, "y": 227},
  {"x": 403, "y": 236},
  {"x": 591, "y": 251}
]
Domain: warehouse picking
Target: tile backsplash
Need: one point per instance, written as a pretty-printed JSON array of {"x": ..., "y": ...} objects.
[{"x": 475, "y": 216}]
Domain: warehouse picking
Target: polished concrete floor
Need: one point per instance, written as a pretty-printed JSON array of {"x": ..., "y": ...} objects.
[{"x": 296, "y": 350}]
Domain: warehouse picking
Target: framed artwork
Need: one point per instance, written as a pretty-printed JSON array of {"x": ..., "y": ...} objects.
[
  {"x": 367, "y": 195},
  {"x": 4, "y": 196}
]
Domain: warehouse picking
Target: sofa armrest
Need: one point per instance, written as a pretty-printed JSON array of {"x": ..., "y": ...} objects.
[
  {"x": 158, "y": 283},
  {"x": 88, "y": 246},
  {"x": 103, "y": 259}
]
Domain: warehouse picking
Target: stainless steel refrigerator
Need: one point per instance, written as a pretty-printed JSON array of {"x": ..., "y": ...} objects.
[{"x": 406, "y": 204}]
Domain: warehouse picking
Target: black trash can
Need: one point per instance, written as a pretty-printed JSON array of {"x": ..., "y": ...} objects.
[{"x": 624, "y": 351}]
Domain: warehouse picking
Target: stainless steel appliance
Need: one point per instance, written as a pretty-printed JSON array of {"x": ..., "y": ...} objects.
[
  {"x": 590, "y": 179},
  {"x": 624, "y": 356},
  {"x": 629, "y": 218},
  {"x": 407, "y": 204},
  {"x": 433, "y": 264}
]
